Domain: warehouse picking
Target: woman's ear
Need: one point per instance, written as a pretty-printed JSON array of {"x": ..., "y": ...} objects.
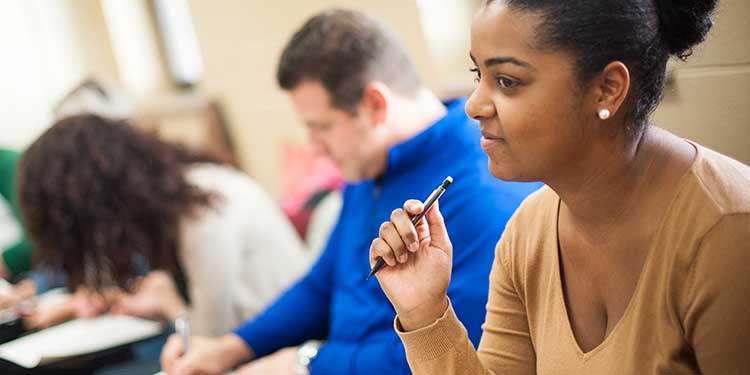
[
  {"x": 611, "y": 90},
  {"x": 374, "y": 104}
]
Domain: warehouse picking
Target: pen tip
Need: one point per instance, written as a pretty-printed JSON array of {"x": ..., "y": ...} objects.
[{"x": 448, "y": 180}]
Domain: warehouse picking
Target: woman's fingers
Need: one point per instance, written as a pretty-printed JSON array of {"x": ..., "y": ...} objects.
[
  {"x": 390, "y": 235},
  {"x": 413, "y": 207},
  {"x": 171, "y": 351},
  {"x": 402, "y": 221},
  {"x": 380, "y": 248},
  {"x": 399, "y": 236}
]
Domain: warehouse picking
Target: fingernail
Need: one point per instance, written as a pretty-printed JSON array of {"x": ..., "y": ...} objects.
[
  {"x": 403, "y": 258},
  {"x": 413, "y": 247}
]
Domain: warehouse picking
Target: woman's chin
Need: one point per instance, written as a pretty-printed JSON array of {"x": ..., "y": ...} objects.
[{"x": 505, "y": 172}]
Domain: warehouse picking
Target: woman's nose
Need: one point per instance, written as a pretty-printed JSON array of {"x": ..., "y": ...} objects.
[{"x": 479, "y": 105}]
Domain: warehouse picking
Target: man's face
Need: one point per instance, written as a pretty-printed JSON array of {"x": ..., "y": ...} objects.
[{"x": 347, "y": 139}]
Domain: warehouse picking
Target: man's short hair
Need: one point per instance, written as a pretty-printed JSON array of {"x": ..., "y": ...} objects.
[{"x": 345, "y": 50}]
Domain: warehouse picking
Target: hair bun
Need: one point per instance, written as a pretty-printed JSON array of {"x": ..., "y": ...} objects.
[{"x": 685, "y": 23}]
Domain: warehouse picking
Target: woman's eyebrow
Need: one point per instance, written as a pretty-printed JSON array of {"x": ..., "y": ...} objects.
[{"x": 497, "y": 60}]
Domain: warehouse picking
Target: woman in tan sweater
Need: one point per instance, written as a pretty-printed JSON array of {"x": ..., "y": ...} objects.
[{"x": 635, "y": 259}]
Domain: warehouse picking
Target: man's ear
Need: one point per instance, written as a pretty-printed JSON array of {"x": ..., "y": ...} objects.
[{"x": 374, "y": 102}]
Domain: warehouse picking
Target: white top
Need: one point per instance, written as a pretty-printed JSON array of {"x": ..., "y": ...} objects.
[
  {"x": 239, "y": 254},
  {"x": 322, "y": 220}
]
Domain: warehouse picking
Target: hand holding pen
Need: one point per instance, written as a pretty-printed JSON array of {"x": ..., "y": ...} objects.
[
  {"x": 432, "y": 199},
  {"x": 419, "y": 260}
]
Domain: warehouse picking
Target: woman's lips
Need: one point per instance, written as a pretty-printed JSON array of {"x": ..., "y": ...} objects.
[{"x": 489, "y": 141}]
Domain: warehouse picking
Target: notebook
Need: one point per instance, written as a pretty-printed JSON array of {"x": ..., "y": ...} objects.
[{"x": 77, "y": 337}]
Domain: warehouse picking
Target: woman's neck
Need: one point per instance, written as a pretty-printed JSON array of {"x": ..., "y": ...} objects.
[{"x": 600, "y": 190}]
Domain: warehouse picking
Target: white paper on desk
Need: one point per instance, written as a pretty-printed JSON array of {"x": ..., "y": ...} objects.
[{"x": 77, "y": 337}]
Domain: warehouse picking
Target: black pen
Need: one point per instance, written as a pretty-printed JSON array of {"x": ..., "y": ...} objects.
[{"x": 434, "y": 196}]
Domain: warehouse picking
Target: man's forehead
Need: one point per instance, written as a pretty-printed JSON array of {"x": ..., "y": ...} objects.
[{"x": 312, "y": 93}]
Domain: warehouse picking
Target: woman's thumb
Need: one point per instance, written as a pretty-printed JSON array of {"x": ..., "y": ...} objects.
[{"x": 438, "y": 233}]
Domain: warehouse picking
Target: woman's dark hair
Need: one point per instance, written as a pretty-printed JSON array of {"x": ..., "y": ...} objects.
[
  {"x": 642, "y": 34},
  {"x": 100, "y": 199}
]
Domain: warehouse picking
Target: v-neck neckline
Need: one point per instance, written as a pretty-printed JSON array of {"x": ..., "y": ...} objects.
[
  {"x": 561, "y": 294},
  {"x": 557, "y": 275}
]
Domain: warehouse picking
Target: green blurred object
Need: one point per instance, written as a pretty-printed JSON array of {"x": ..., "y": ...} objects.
[{"x": 17, "y": 257}]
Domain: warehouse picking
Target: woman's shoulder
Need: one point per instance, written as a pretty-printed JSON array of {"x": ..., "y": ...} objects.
[
  {"x": 231, "y": 186},
  {"x": 235, "y": 196},
  {"x": 715, "y": 187},
  {"x": 241, "y": 211},
  {"x": 722, "y": 181},
  {"x": 211, "y": 176},
  {"x": 709, "y": 215},
  {"x": 709, "y": 234}
]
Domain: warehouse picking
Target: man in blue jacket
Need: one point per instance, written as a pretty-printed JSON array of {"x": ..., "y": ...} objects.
[{"x": 356, "y": 89}]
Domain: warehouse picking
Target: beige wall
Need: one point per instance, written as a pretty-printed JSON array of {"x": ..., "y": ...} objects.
[
  {"x": 241, "y": 41},
  {"x": 135, "y": 44},
  {"x": 708, "y": 99},
  {"x": 56, "y": 44},
  {"x": 47, "y": 47}
]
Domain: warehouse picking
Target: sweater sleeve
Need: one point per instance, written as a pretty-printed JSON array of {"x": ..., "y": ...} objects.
[
  {"x": 505, "y": 347},
  {"x": 718, "y": 287}
]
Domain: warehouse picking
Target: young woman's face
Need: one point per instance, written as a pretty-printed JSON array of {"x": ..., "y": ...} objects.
[{"x": 533, "y": 115}]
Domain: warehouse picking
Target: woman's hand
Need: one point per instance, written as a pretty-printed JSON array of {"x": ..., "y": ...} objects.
[
  {"x": 89, "y": 303},
  {"x": 154, "y": 296},
  {"x": 12, "y": 295},
  {"x": 419, "y": 264},
  {"x": 50, "y": 310}
]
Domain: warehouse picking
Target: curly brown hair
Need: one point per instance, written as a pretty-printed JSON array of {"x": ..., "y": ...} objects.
[{"x": 98, "y": 196}]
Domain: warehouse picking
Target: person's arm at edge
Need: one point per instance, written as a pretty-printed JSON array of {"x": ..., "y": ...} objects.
[{"x": 717, "y": 307}]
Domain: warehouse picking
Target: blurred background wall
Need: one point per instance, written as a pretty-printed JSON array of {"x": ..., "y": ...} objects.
[{"x": 50, "y": 46}]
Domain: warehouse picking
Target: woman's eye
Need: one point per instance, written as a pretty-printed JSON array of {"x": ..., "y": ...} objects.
[
  {"x": 477, "y": 74},
  {"x": 506, "y": 83}
]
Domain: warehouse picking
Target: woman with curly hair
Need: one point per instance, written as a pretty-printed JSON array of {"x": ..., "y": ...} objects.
[{"x": 104, "y": 202}]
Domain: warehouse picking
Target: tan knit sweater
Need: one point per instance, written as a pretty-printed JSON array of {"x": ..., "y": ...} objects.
[{"x": 689, "y": 314}]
